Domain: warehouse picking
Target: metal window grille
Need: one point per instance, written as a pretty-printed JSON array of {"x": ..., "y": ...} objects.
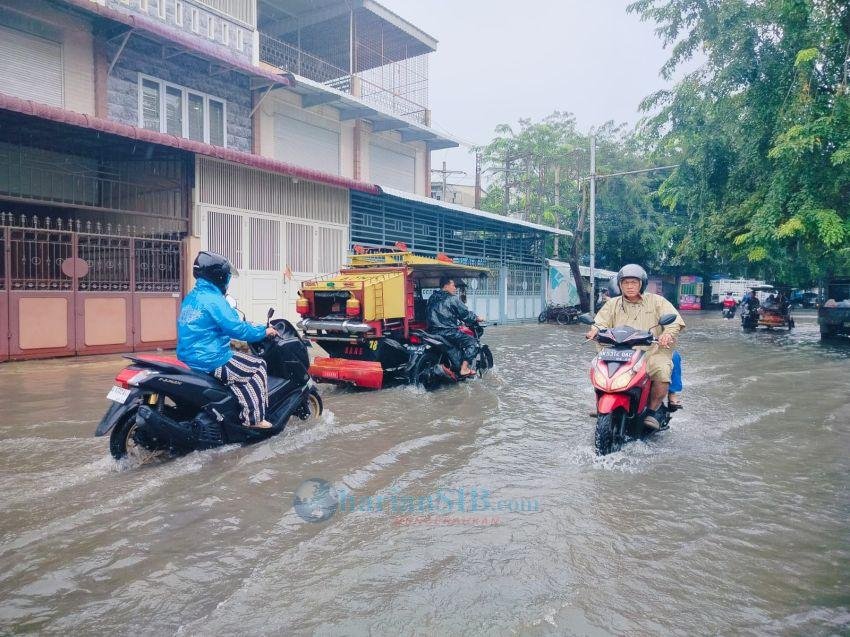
[
  {"x": 37, "y": 257},
  {"x": 265, "y": 244},
  {"x": 109, "y": 262},
  {"x": 331, "y": 249},
  {"x": 225, "y": 236},
  {"x": 158, "y": 265},
  {"x": 299, "y": 247}
]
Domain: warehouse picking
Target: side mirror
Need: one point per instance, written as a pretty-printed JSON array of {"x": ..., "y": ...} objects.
[
  {"x": 270, "y": 314},
  {"x": 587, "y": 319},
  {"x": 667, "y": 319}
]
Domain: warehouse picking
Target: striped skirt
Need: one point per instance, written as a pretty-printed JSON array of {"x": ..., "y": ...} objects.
[{"x": 247, "y": 378}]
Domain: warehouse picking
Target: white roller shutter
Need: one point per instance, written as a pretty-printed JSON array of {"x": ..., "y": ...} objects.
[
  {"x": 31, "y": 67},
  {"x": 306, "y": 145},
  {"x": 391, "y": 168}
]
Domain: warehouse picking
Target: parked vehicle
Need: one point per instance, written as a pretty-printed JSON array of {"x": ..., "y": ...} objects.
[
  {"x": 834, "y": 313},
  {"x": 159, "y": 406},
  {"x": 622, "y": 386},
  {"x": 370, "y": 319},
  {"x": 561, "y": 314}
]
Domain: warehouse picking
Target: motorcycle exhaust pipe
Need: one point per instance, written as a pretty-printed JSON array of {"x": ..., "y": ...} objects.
[{"x": 354, "y": 327}]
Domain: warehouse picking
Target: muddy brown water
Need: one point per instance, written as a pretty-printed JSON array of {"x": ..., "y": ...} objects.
[{"x": 495, "y": 516}]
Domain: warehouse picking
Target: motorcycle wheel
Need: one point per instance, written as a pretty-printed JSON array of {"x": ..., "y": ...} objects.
[
  {"x": 420, "y": 375},
  {"x": 610, "y": 432},
  {"x": 563, "y": 318},
  {"x": 543, "y": 316},
  {"x": 122, "y": 445},
  {"x": 313, "y": 406}
]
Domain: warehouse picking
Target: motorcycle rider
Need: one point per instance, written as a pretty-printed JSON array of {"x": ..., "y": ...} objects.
[
  {"x": 749, "y": 304},
  {"x": 205, "y": 326},
  {"x": 445, "y": 313},
  {"x": 729, "y": 303},
  {"x": 642, "y": 310}
]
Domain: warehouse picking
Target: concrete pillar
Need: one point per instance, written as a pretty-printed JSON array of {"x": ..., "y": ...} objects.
[{"x": 503, "y": 295}]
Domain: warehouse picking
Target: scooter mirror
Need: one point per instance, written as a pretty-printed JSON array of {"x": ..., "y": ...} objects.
[
  {"x": 585, "y": 318},
  {"x": 270, "y": 313},
  {"x": 667, "y": 319}
]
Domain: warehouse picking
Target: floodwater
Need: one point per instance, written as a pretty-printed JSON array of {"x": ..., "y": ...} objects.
[{"x": 733, "y": 522}]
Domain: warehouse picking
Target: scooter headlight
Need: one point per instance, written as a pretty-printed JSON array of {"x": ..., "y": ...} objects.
[
  {"x": 622, "y": 381},
  {"x": 599, "y": 378}
]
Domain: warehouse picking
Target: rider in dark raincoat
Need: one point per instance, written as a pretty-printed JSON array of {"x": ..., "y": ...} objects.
[{"x": 445, "y": 314}]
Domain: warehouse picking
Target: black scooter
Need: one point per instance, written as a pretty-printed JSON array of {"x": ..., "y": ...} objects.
[
  {"x": 435, "y": 361},
  {"x": 162, "y": 407}
]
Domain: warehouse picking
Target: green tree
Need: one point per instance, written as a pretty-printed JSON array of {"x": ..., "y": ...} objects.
[{"x": 762, "y": 132}]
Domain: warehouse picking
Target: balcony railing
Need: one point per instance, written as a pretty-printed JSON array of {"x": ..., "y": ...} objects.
[{"x": 290, "y": 58}]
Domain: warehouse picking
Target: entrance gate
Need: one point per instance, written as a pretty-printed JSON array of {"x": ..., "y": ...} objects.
[{"x": 71, "y": 288}]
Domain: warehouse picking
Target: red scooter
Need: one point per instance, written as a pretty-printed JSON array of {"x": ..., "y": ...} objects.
[{"x": 618, "y": 374}]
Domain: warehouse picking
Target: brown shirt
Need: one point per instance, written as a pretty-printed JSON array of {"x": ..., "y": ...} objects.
[{"x": 642, "y": 315}]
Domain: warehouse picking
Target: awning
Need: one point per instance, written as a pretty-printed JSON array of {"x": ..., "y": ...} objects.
[
  {"x": 315, "y": 93},
  {"x": 64, "y": 116},
  {"x": 509, "y": 221}
]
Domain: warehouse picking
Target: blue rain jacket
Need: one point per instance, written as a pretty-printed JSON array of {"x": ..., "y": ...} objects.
[{"x": 205, "y": 326}]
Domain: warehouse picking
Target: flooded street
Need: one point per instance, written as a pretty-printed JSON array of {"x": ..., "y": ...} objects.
[{"x": 733, "y": 521}]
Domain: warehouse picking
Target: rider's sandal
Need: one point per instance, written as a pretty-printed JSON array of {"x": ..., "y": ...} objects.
[
  {"x": 263, "y": 424},
  {"x": 673, "y": 400},
  {"x": 651, "y": 421}
]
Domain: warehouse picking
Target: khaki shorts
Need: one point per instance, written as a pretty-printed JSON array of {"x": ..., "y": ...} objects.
[{"x": 659, "y": 364}]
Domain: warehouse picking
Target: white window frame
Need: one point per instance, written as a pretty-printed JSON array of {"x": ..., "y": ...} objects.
[
  {"x": 211, "y": 27},
  {"x": 196, "y": 21},
  {"x": 225, "y": 33},
  {"x": 184, "y": 115},
  {"x": 178, "y": 13},
  {"x": 160, "y": 9},
  {"x": 240, "y": 39},
  {"x": 144, "y": 5}
]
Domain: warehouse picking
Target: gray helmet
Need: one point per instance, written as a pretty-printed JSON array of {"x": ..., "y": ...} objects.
[{"x": 633, "y": 271}]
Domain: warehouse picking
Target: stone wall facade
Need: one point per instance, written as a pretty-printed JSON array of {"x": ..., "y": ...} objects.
[{"x": 143, "y": 57}]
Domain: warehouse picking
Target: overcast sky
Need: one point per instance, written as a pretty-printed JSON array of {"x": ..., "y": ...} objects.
[{"x": 498, "y": 61}]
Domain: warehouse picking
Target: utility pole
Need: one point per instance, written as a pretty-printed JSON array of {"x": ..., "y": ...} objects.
[
  {"x": 478, "y": 179},
  {"x": 557, "y": 205},
  {"x": 592, "y": 223},
  {"x": 445, "y": 173},
  {"x": 506, "y": 200}
]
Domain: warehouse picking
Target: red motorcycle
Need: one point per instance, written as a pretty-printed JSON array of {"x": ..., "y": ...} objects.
[{"x": 618, "y": 374}]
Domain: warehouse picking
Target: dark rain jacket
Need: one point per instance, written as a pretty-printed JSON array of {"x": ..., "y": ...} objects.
[
  {"x": 205, "y": 326},
  {"x": 446, "y": 312}
]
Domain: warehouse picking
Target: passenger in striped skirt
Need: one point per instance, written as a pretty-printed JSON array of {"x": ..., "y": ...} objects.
[{"x": 247, "y": 378}]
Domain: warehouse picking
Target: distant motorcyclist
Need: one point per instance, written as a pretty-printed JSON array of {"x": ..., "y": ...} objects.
[
  {"x": 750, "y": 303},
  {"x": 642, "y": 310},
  {"x": 729, "y": 301},
  {"x": 445, "y": 314},
  {"x": 205, "y": 327}
]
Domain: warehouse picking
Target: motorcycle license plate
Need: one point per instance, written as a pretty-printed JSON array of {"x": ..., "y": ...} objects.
[
  {"x": 118, "y": 394},
  {"x": 616, "y": 355}
]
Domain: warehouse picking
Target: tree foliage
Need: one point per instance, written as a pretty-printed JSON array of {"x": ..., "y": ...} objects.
[
  {"x": 761, "y": 130},
  {"x": 541, "y": 163}
]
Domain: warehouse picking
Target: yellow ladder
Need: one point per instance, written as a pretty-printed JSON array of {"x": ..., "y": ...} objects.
[{"x": 379, "y": 300}]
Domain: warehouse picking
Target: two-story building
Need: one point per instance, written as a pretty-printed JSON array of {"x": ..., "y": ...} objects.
[{"x": 278, "y": 132}]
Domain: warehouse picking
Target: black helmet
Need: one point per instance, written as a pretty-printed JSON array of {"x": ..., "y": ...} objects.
[
  {"x": 214, "y": 268},
  {"x": 633, "y": 271}
]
